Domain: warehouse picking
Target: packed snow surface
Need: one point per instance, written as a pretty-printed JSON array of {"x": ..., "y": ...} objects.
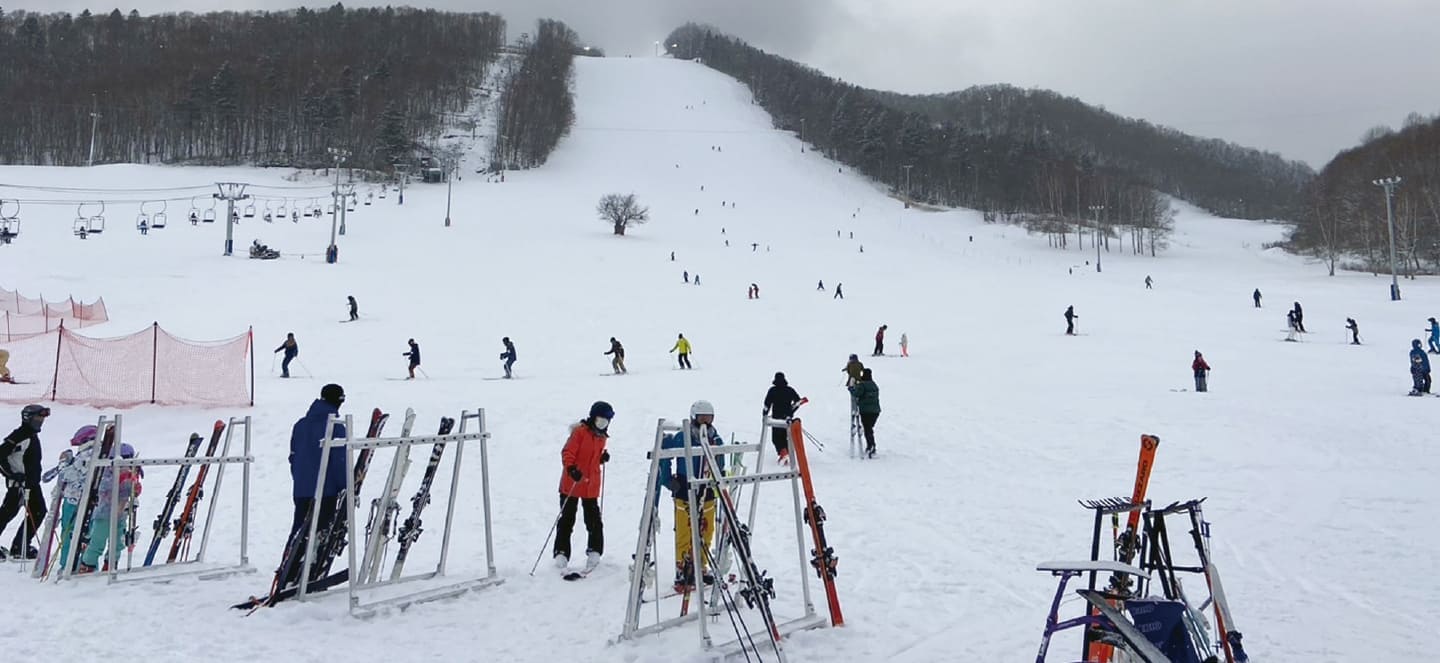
[{"x": 1314, "y": 462}]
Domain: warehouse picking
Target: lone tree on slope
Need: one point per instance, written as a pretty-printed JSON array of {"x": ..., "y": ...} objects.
[{"x": 621, "y": 211}]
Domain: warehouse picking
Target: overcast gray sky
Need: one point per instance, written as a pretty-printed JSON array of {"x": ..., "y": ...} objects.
[{"x": 1304, "y": 78}]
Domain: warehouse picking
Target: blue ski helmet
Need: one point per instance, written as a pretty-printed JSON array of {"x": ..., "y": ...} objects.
[{"x": 602, "y": 409}]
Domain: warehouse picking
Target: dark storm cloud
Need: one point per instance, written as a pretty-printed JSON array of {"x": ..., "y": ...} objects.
[{"x": 1301, "y": 77}]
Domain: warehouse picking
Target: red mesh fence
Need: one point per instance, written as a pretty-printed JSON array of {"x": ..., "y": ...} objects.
[
  {"x": 16, "y": 305},
  {"x": 14, "y": 326},
  {"x": 149, "y": 366}
]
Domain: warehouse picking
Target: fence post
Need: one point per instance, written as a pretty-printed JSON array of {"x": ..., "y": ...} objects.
[
  {"x": 251, "y": 334},
  {"x": 55, "y": 383},
  {"x": 154, "y": 354}
]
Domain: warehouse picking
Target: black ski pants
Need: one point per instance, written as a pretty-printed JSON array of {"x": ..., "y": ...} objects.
[
  {"x": 879, "y": 347},
  {"x": 780, "y": 437},
  {"x": 685, "y": 360},
  {"x": 594, "y": 528},
  {"x": 867, "y": 422},
  {"x": 15, "y": 498}
]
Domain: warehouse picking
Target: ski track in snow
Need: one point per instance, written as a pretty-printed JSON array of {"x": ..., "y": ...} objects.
[{"x": 1315, "y": 465}]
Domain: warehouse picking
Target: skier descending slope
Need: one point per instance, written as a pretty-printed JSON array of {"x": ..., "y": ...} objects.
[
  {"x": 508, "y": 355},
  {"x": 582, "y": 482},
  {"x": 867, "y": 403}
]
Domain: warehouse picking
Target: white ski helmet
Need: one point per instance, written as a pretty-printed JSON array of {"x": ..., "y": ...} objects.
[{"x": 701, "y": 407}]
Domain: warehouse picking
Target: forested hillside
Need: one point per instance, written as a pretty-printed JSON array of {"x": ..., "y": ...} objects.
[
  {"x": 1344, "y": 218},
  {"x": 275, "y": 88}
]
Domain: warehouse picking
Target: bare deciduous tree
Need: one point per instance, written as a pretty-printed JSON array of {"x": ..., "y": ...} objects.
[{"x": 622, "y": 211}]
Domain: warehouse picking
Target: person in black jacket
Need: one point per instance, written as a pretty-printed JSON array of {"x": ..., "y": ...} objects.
[
  {"x": 414, "y": 355},
  {"x": 354, "y": 308},
  {"x": 1070, "y": 320},
  {"x": 508, "y": 355},
  {"x": 780, "y": 403},
  {"x": 20, "y": 467},
  {"x": 617, "y": 362}
]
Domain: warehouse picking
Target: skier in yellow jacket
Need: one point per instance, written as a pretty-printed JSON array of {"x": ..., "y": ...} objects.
[{"x": 683, "y": 346}]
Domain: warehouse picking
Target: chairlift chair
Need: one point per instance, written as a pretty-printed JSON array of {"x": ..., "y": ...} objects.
[
  {"x": 142, "y": 221},
  {"x": 9, "y": 220},
  {"x": 280, "y": 211},
  {"x": 97, "y": 224},
  {"x": 208, "y": 216},
  {"x": 369, "y": 198},
  {"x": 310, "y": 209},
  {"x": 249, "y": 210},
  {"x": 158, "y": 219}
]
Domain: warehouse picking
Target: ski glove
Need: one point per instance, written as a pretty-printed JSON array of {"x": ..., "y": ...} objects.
[
  {"x": 604, "y": 456},
  {"x": 575, "y": 474},
  {"x": 679, "y": 484}
]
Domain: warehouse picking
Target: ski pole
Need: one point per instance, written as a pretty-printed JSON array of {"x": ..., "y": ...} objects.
[
  {"x": 553, "y": 526},
  {"x": 305, "y": 368},
  {"x": 422, "y": 372},
  {"x": 272, "y": 363}
]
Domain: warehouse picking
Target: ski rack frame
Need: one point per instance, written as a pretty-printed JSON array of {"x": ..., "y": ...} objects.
[
  {"x": 631, "y": 629},
  {"x": 351, "y": 444},
  {"x": 1111, "y": 506},
  {"x": 169, "y": 571}
]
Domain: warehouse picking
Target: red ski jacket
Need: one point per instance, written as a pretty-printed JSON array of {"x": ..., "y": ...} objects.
[{"x": 582, "y": 450}]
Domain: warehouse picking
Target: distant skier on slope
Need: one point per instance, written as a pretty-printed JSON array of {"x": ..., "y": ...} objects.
[
  {"x": 780, "y": 403},
  {"x": 617, "y": 360},
  {"x": 508, "y": 355},
  {"x": 1293, "y": 328},
  {"x": 1149, "y": 283},
  {"x": 354, "y": 308},
  {"x": 839, "y": 292},
  {"x": 1201, "y": 370},
  {"x": 904, "y": 344},
  {"x": 1354, "y": 328},
  {"x": 675, "y": 474},
  {"x": 1434, "y": 336},
  {"x": 1419, "y": 369},
  {"x": 1070, "y": 320},
  {"x": 581, "y": 482},
  {"x": 5, "y": 371},
  {"x": 1256, "y": 297},
  {"x": 414, "y": 355},
  {"x": 880, "y": 341},
  {"x": 1300, "y": 319},
  {"x": 682, "y": 345},
  {"x": 292, "y": 350}
]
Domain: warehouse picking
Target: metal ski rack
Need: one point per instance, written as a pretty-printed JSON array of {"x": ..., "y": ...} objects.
[
  {"x": 704, "y": 600},
  {"x": 1109, "y": 506},
  {"x": 197, "y": 565},
  {"x": 358, "y": 582}
]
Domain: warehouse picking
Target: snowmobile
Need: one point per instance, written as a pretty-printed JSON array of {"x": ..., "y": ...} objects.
[{"x": 259, "y": 251}]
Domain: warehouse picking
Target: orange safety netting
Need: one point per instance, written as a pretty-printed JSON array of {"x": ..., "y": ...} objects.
[
  {"x": 149, "y": 366},
  {"x": 23, "y": 315}
]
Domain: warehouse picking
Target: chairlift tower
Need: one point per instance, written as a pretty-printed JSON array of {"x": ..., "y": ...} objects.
[
  {"x": 230, "y": 192},
  {"x": 401, "y": 170},
  {"x": 332, "y": 253}
]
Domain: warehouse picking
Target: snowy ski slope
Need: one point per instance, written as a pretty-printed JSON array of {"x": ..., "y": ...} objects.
[{"x": 1314, "y": 462}]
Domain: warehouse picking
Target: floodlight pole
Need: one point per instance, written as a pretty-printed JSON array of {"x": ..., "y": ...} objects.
[
  {"x": 1096, "y": 209},
  {"x": 450, "y": 166},
  {"x": 401, "y": 169},
  {"x": 1389, "y": 183},
  {"x": 230, "y": 192}
]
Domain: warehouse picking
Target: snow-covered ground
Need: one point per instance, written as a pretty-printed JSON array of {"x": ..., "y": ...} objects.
[{"x": 1314, "y": 462}]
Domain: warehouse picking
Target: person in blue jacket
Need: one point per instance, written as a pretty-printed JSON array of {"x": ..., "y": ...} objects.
[
  {"x": 1419, "y": 369},
  {"x": 508, "y": 355},
  {"x": 1434, "y": 336},
  {"x": 292, "y": 350},
  {"x": 306, "y": 439},
  {"x": 675, "y": 476},
  {"x": 414, "y": 355}
]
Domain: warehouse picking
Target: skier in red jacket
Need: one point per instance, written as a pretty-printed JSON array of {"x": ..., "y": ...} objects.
[
  {"x": 1201, "y": 370},
  {"x": 581, "y": 482}
]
